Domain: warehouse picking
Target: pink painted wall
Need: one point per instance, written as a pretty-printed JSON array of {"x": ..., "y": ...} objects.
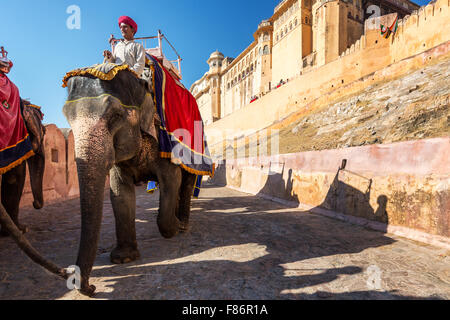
[
  {"x": 409, "y": 188},
  {"x": 60, "y": 176}
]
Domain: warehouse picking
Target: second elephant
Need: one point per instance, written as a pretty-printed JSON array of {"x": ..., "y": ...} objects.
[{"x": 13, "y": 181}]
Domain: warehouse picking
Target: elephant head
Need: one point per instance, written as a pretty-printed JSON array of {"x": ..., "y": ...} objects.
[
  {"x": 33, "y": 120},
  {"x": 106, "y": 118}
]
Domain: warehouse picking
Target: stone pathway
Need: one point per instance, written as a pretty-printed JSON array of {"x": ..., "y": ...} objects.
[{"x": 239, "y": 247}]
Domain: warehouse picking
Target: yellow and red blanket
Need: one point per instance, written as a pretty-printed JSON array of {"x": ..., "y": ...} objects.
[
  {"x": 15, "y": 144},
  {"x": 181, "y": 134}
]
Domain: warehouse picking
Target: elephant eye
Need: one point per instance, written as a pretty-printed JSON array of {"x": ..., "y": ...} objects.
[{"x": 115, "y": 122}]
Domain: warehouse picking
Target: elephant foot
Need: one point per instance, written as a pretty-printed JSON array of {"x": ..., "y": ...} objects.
[
  {"x": 122, "y": 255},
  {"x": 88, "y": 290},
  {"x": 184, "y": 227},
  {"x": 170, "y": 233}
]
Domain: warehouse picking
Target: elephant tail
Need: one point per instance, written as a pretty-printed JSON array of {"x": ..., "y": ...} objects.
[{"x": 26, "y": 247}]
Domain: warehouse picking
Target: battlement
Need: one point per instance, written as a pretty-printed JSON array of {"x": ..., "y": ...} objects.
[
  {"x": 416, "y": 32},
  {"x": 426, "y": 30}
]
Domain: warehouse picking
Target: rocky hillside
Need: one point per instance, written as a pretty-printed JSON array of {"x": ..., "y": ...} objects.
[{"x": 415, "y": 106}]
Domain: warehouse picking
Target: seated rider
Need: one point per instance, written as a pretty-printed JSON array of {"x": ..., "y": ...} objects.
[
  {"x": 5, "y": 63},
  {"x": 128, "y": 51}
]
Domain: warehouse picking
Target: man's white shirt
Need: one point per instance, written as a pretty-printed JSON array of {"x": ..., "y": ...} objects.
[{"x": 131, "y": 53}]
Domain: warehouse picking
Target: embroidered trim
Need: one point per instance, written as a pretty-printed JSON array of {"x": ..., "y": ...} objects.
[
  {"x": 17, "y": 162},
  {"x": 97, "y": 73}
]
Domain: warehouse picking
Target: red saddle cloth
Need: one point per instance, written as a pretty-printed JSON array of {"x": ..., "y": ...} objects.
[{"x": 15, "y": 145}]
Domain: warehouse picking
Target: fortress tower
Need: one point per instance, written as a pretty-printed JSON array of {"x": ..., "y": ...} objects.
[
  {"x": 337, "y": 24},
  {"x": 263, "y": 74},
  {"x": 291, "y": 33},
  {"x": 214, "y": 77}
]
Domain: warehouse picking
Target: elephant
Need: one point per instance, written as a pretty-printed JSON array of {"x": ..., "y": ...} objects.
[
  {"x": 13, "y": 181},
  {"x": 113, "y": 123}
]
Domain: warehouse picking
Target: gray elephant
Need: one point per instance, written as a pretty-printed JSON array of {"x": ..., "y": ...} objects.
[{"x": 115, "y": 134}]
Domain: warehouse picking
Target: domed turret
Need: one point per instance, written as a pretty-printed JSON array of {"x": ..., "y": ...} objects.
[
  {"x": 216, "y": 55},
  {"x": 215, "y": 60}
]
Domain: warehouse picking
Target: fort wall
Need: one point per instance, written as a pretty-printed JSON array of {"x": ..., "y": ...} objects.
[
  {"x": 372, "y": 53},
  {"x": 400, "y": 188}
]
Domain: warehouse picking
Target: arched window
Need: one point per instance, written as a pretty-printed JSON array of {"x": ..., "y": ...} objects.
[
  {"x": 266, "y": 50},
  {"x": 260, "y": 51},
  {"x": 296, "y": 22},
  {"x": 290, "y": 26}
]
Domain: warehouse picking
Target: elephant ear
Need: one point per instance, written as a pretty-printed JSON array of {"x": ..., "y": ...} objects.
[
  {"x": 33, "y": 121},
  {"x": 149, "y": 119}
]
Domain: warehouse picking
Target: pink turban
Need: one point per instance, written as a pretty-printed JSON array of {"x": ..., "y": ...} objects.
[{"x": 128, "y": 21}]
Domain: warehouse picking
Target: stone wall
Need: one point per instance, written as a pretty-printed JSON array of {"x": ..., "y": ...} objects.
[
  {"x": 401, "y": 188},
  {"x": 60, "y": 176},
  {"x": 427, "y": 30}
]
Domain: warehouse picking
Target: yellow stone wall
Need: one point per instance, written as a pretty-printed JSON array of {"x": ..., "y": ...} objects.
[
  {"x": 426, "y": 29},
  {"x": 301, "y": 37}
]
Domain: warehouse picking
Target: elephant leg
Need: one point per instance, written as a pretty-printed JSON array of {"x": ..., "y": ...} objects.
[
  {"x": 12, "y": 188},
  {"x": 169, "y": 177},
  {"x": 184, "y": 207},
  {"x": 123, "y": 199}
]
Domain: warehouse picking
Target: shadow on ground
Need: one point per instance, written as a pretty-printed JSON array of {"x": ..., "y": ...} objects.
[{"x": 239, "y": 247}]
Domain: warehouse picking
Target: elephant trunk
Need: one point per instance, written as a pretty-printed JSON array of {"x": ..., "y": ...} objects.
[
  {"x": 94, "y": 157},
  {"x": 25, "y": 245},
  {"x": 36, "y": 165}
]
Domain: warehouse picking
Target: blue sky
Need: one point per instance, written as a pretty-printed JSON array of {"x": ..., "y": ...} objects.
[{"x": 43, "y": 49}]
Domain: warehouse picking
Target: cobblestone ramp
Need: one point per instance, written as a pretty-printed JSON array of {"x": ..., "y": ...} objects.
[{"x": 239, "y": 247}]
